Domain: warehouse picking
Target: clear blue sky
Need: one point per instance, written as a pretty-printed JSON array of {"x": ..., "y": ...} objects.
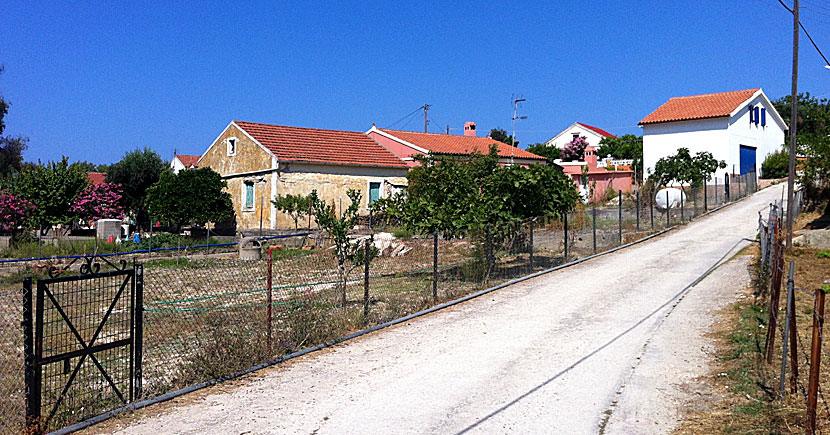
[{"x": 96, "y": 81}]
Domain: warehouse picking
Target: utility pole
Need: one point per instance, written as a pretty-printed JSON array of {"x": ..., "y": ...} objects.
[
  {"x": 426, "y": 108},
  {"x": 793, "y": 128},
  {"x": 516, "y": 102}
]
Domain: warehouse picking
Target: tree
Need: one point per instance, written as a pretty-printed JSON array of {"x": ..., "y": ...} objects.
[
  {"x": 13, "y": 211},
  {"x": 685, "y": 168},
  {"x": 137, "y": 171},
  {"x": 52, "y": 189},
  {"x": 575, "y": 149},
  {"x": 99, "y": 201},
  {"x": 776, "y": 165},
  {"x": 626, "y": 147},
  {"x": 11, "y": 148},
  {"x": 500, "y": 135},
  {"x": 547, "y": 151},
  {"x": 295, "y": 206},
  {"x": 92, "y": 167},
  {"x": 194, "y": 196},
  {"x": 338, "y": 230}
]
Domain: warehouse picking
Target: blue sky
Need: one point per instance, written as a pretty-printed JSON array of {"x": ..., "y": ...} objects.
[{"x": 97, "y": 81}]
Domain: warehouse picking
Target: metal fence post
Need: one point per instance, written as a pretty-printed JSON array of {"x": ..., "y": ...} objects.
[
  {"x": 594, "y": 212},
  {"x": 566, "y": 235},
  {"x": 716, "y": 190},
  {"x": 619, "y": 215},
  {"x": 435, "y": 266},
  {"x": 489, "y": 249},
  {"x": 531, "y": 243},
  {"x": 668, "y": 210},
  {"x": 726, "y": 195},
  {"x": 682, "y": 200},
  {"x": 705, "y": 194},
  {"x": 651, "y": 210},
  {"x": 815, "y": 361},
  {"x": 694, "y": 202},
  {"x": 269, "y": 299},
  {"x": 638, "y": 210},
  {"x": 366, "y": 257},
  {"x": 138, "y": 338},
  {"x": 32, "y": 399}
]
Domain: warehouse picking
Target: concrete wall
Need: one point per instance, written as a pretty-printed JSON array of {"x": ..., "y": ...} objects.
[{"x": 663, "y": 139}]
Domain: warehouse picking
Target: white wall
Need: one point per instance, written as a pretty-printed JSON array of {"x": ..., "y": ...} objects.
[
  {"x": 663, "y": 140},
  {"x": 566, "y": 136},
  {"x": 766, "y": 139},
  {"x": 176, "y": 165}
]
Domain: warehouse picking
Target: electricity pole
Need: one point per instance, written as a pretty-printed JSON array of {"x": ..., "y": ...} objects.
[
  {"x": 516, "y": 102},
  {"x": 793, "y": 128},
  {"x": 426, "y": 107}
]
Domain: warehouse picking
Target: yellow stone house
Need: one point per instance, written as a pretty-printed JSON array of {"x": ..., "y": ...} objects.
[{"x": 261, "y": 161}]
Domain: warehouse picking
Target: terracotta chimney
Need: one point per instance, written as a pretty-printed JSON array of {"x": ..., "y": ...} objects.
[
  {"x": 591, "y": 157},
  {"x": 469, "y": 128}
]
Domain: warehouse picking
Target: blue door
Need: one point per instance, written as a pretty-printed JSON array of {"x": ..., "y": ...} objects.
[{"x": 747, "y": 159}]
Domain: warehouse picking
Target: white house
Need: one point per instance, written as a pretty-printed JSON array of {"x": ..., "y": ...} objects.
[
  {"x": 183, "y": 161},
  {"x": 740, "y": 127},
  {"x": 592, "y": 134}
]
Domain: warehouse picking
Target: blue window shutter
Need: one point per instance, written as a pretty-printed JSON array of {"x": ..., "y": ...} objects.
[
  {"x": 763, "y": 117},
  {"x": 751, "y": 108},
  {"x": 756, "y": 115}
]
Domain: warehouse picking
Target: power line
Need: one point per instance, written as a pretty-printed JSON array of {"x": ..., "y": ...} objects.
[
  {"x": 407, "y": 116},
  {"x": 800, "y": 24}
]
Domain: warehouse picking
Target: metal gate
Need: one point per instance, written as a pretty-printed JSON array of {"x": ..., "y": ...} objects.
[{"x": 83, "y": 344}]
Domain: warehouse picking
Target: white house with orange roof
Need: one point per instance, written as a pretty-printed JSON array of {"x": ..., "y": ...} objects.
[
  {"x": 406, "y": 144},
  {"x": 740, "y": 127},
  {"x": 578, "y": 129},
  {"x": 181, "y": 162}
]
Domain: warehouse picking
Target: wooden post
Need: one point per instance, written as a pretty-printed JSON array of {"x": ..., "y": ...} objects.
[{"x": 815, "y": 361}]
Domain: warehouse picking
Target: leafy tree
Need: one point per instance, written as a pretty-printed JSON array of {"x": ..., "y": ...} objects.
[
  {"x": 513, "y": 193},
  {"x": 500, "y": 135},
  {"x": 813, "y": 114},
  {"x": 13, "y": 211},
  {"x": 137, "y": 171},
  {"x": 549, "y": 152},
  {"x": 776, "y": 165},
  {"x": 52, "y": 189},
  {"x": 99, "y": 201},
  {"x": 295, "y": 206},
  {"x": 626, "y": 147},
  {"x": 92, "y": 167},
  {"x": 194, "y": 196},
  {"x": 813, "y": 142},
  {"x": 575, "y": 149},
  {"x": 685, "y": 168},
  {"x": 339, "y": 230}
]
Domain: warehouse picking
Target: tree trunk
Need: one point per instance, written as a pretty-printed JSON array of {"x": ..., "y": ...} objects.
[{"x": 342, "y": 271}]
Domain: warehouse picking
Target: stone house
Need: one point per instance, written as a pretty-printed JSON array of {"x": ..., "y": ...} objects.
[
  {"x": 406, "y": 144},
  {"x": 261, "y": 161}
]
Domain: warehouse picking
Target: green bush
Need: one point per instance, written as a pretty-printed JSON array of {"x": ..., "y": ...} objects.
[{"x": 776, "y": 165}]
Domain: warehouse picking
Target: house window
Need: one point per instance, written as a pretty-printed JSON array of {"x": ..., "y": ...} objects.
[
  {"x": 248, "y": 195},
  {"x": 231, "y": 146},
  {"x": 763, "y": 117},
  {"x": 374, "y": 192},
  {"x": 575, "y": 136}
]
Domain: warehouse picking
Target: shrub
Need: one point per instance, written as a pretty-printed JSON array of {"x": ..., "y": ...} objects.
[{"x": 776, "y": 165}]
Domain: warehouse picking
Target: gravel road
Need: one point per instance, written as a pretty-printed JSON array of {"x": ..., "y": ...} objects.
[{"x": 611, "y": 345}]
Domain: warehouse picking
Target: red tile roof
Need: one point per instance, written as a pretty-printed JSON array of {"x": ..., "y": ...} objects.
[
  {"x": 96, "y": 177},
  {"x": 599, "y": 131},
  {"x": 699, "y": 106},
  {"x": 300, "y": 144},
  {"x": 459, "y": 145},
  {"x": 188, "y": 160}
]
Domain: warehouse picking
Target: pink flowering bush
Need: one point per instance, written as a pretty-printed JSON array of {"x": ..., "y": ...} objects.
[
  {"x": 13, "y": 211},
  {"x": 99, "y": 201},
  {"x": 575, "y": 149}
]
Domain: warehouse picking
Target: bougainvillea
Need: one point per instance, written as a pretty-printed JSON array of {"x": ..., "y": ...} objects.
[
  {"x": 13, "y": 211},
  {"x": 99, "y": 201},
  {"x": 575, "y": 149}
]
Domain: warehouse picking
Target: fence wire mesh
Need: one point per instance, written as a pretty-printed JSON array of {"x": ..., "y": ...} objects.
[{"x": 12, "y": 387}]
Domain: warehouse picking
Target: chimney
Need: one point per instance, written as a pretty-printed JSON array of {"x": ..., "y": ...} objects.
[{"x": 469, "y": 128}]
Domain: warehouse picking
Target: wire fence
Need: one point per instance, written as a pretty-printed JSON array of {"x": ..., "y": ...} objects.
[{"x": 210, "y": 316}]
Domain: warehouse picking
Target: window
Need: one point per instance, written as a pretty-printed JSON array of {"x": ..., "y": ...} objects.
[
  {"x": 575, "y": 135},
  {"x": 374, "y": 192},
  {"x": 231, "y": 146},
  {"x": 248, "y": 195},
  {"x": 763, "y": 117}
]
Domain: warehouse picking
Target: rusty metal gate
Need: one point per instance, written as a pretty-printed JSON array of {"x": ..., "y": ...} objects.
[{"x": 83, "y": 344}]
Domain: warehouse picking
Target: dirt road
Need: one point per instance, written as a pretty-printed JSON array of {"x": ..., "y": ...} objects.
[{"x": 610, "y": 345}]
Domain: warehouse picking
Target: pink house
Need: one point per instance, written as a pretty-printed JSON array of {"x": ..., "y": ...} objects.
[
  {"x": 406, "y": 144},
  {"x": 587, "y": 175}
]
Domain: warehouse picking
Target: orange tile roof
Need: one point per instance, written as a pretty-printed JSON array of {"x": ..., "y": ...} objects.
[
  {"x": 188, "y": 160},
  {"x": 459, "y": 145},
  {"x": 699, "y": 106},
  {"x": 96, "y": 177},
  {"x": 300, "y": 144}
]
